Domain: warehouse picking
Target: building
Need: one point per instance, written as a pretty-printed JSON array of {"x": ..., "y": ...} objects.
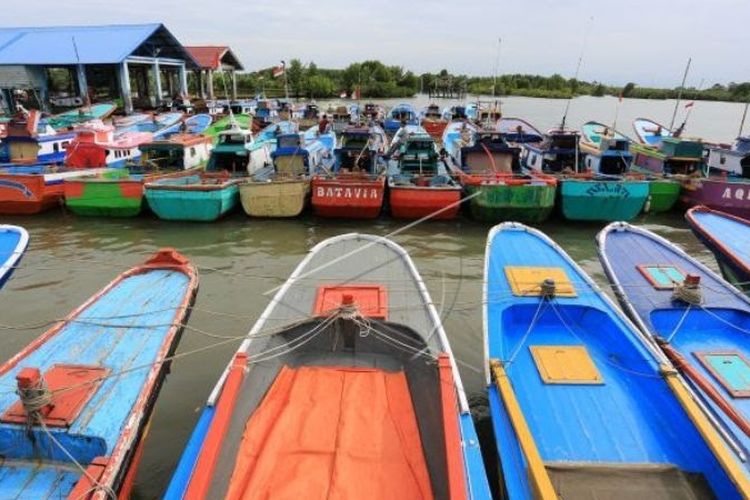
[
  {"x": 67, "y": 65},
  {"x": 211, "y": 58}
]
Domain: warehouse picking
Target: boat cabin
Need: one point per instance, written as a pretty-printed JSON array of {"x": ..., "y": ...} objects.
[
  {"x": 612, "y": 157},
  {"x": 290, "y": 157},
  {"x": 490, "y": 153},
  {"x": 232, "y": 151},
  {"x": 734, "y": 161},
  {"x": 433, "y": 112},
  {"x": 371, "y": 111},
  {"x": 311, "y": 112},
  {"x": 558, "y": 153},
  {"x": 180, "y": 152},
  {"x": 356, "y": 150},
  {"x": 417, "y": 155}
]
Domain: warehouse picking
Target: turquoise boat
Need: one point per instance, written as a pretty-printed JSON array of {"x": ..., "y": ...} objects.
[
  {"x": 202, "y": 198},
  {"x": 602, "y": 198},
  {"x": 582, "y": 404}
]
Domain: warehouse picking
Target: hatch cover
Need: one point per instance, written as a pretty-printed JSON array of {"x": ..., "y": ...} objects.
[
  {"x": 730, "y": 368},
  {"x": 526, "y": 281},
  {"x": 662, "y": 276},
  {"x": 370, "y": 300},
  {"x": 565, "y": 364}
]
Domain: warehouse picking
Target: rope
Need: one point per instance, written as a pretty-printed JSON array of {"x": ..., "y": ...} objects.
[
  {"x": 691, "y": 294},
  {"x": 34, "y": 398}
]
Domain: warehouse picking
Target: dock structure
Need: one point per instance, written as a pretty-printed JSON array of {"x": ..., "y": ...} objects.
[
  {"x": 447, "y": 88},
  {"x": 210, "y": 59},
  {"x": 68, "y": 66}
]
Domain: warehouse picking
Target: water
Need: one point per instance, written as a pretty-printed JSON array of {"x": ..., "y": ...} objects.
[{"x": 70, "y": 258}]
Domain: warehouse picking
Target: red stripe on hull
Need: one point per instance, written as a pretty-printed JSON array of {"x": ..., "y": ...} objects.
[{"x": 415, "y": 203}]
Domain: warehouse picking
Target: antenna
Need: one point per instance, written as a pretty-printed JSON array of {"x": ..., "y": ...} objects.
[
  {"x": 679, "y": 94},
  {"x": 578, "y": 69},
  {"x": 497, "y": 63}
]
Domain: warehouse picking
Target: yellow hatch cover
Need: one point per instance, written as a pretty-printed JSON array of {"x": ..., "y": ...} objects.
[
  {"x": 526, "y": 281},
  {"x": 565, "y": 364}
]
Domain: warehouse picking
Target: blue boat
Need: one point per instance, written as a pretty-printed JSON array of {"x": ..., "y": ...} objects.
[
  {"x": 582, "y": 404},
  {"x": 728, "y": 238},
  {"x": 696, "y": 318},
  {"x": 352, "y": 396},
  {"x": 13, "y": 243},
  {"x": 197, "y": 124},
  {"x": 86, "y": 388},
  {"x": 160, "y": 125},
  {"x": 397, "y": 114}
]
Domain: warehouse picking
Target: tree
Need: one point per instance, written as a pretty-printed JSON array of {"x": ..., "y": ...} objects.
[
  {"x": 294, "y": 74},
  {"x": 627, "y": 90}
]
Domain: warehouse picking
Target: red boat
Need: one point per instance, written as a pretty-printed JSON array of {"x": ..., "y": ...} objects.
[
  {"x": 355, "y": 187},
  {"x": 433, "y": 121}
]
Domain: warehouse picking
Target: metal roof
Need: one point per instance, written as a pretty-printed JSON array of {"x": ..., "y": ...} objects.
[
  {"x": 108, "y": 44},
  {"x": 212, "y": 56}
]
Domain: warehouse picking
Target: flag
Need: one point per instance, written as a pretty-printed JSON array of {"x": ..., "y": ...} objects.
[
  {"x": 279, "y": 70},
  {"x": 689, "y": 105}
]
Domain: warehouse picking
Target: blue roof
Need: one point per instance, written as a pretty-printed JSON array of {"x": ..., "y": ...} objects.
[{"x": 108, "y": 44}]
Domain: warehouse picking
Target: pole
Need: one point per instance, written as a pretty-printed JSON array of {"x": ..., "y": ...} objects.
[
  {"x": 744, "y": 115},
  {"x": 286, "y": 81},
  {"x": 679, "y": 94},
  {"x": 497, "y": 64},
  {"x": 578, "y": 69}
]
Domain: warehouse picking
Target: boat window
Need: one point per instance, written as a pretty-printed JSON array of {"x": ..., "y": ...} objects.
[
  {"x": 565, "y": 364},
  {"x": 526, "y": 281},
  {"x": 56, "y": 147},
  {"x": 730, "y": 368},
  {"x": 65, "y": 144},
  {"x": 192, "y": 152},
  {"x": 662, "y": 276}
]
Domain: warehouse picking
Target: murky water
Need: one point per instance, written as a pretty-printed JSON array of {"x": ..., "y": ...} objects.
[{"x": 70, "y": 258}]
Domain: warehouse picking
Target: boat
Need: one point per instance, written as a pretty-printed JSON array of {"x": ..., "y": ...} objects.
[
  {"x": 118, "y": 192},
  {"x": 242, "y": 121},
  {"x": 489, "y": 169},
  {"x": 97, "y": 145},
  {"x": 26, "y": 190},
  {"x": 81, "y": 115},
  {"x": 355, "y": 186},
  {"x": 31, "y": 140},
  {"x": 518, "y": 131},
  {"x": 372, "y": 111},
  {"x": 431, "y": 119},
  {"x": 455, "y": 113},
  {"x": 487, "y": 114},
  {"x": 160, "y": 125},
  {"x": 341, "y": 117},
  {"x": 283, "y": 189},
  {"x": 13, "y": 243},
  {"x": 306, "y": 115},
  {"x": 196, "y": 124},
  {"x": 419, "y": 183},
  {"x": 696, "y": 318},
  {"x": 87, "y": 392},
  {"x": 650, "y": 132},
  {"x": 266, "y": 112},
  {"x": 401, "y": 113},
  {"x": 582, "y": 404},
  {"x": 360, "y": 399},
  {"x": 726, "y": 235}
]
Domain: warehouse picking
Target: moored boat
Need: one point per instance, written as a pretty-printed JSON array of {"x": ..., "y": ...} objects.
[
  {"x": 401, "y": 113},
  {"x": 242, "y": 121},
  {"x": 362, "y": 400},
  {"x": 355, "y": 186},
  {"x": 582, "y": 405},
  {"x": 431, "y": 119},
  {"x": 97, "y": 145},
  {"x": 419, "y": 183},
  {"x": 697, "y": 319},
  {"x": 728, "y": 238},
  {"x": 81, "y": 115},
  {"x": 13, "y": 243},
  {"x": 75, "y": 428},
  {"x": 196, "y": 124},
  {"x": 160, "y": 125},
  {"x": 30, "y": 140},
  {"x": 119, "y": 192}
]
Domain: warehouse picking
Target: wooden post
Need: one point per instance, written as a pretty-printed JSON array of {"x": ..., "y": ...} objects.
[
  {"x": 127, "y": 98},
  {"x": 83, "y": 87},
  {"x": 234, "y": 85},
  {"x": 157, "y": 83},
  {"x": 183, "y": 80},
  {"x": 211, "y": 84},
  {"x": 201, "y": 87}
]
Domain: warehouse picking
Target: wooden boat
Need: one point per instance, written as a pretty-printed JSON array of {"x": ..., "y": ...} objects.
[
  {"x": 372, "y": 111},
  {"x": 433, "y": 122},
  {"x": 489, "y": 169},
  {"x": 401, "y": 112},
  {"x": 582, "y": 404},
  {"x": 734, "y": 159},
  {"x": 81, "y": 115},
  {"x": 88, "y": 392},
  {"x": 283, "y": 189},
  {"x": 517, "y": 131},
  {"x": 727, "y": 237},
  {"x": 342, "y": 116},
  {"x": 13, "y": 243},
  {"x": 30, "y": 140},
  {"x": 487, "y": 114},
  {"x": 243, "y": 121},
  {"x": 306, "y": 115},
  {"x": 266, "y": 112},
  {"x": 118, "y": 192},
  {"x": 355, "y": 186},
  {"x": 362, "y": 400},
  {"x": 196, "y": 124},
  {"x": 97, "y": 145},
  {"x": 650, "y": 132},
  {"x": 419, "y": 183},
  {"x": 36, "y": 188},
  {"x": 696, "y": 318}
]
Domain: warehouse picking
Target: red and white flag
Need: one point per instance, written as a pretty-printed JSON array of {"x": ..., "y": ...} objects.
[
  {"x": 689, "y": 105},
  {"x": 279, "y": 70}
]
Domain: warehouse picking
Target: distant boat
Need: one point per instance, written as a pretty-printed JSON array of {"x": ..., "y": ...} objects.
[
  {"x": 97, "y": 145},
  {"x": 420, "y": 184},
  {"x": 362, "y": 398},
  {"x": 431, "y": 119},
  {"x": 30, "y": 140},
  {"x": 283, "y": 188},
  {"x": 489, "y": 169},
  {"x": 403, "y": 112},
  {"x": 196, "y": 124},
  {"x": 582, "y": 404},
  {"x": 517, "y": 131},
  {"x": 728, "y": 238},
  {"x": 242, "y": 121},
  {"x": 88, "y": 390},
  {"x": 119, "y": 192},
  {"x": 81, "y": 115},
  {"x": 650, "y": 132},
  {"x": 13, "y": 243},
  {"x": 159, "y": 125},
  {"x": 355, "y": 186},
  {"x": 697, "y": 319}
]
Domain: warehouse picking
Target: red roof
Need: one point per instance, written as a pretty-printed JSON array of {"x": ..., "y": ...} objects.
[{"x": 210, "y": 56}]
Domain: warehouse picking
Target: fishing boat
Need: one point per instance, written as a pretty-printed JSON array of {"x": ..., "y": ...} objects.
[
  {"x": 489, "y": 169},
  {"x": 582, "y": 404},
  {"x": 35, "y": 188},
  {"x": 30, "y": 140},
  {"x": 160, "y": 125},
  {"x": 341, "y": 117},
  {"x": 419, "y": 183},
  {"x": 403, "y": 112},
  {"x": 242, "y": 121},
  {"x": 372, "y": 111},
  {"x": 727, "y": 237},
  {"x": 306, "y": 115},
  {"x": 118, "y": 192},
  {"x": 362, "y": 398},
  {"x": 487, "y": 114},
  {"x": 196, "y": 124},
  {"x": 97, "y": 145},
  {"x": 81, "y": 115},
  {"x": 355, "y": 186},
  {"x": 517, "y": 131},
  {"x": 13, "y": 243},
  {"x": 266, "y": 112},
  {"x": 650, "y": 132},
  {"x": 431, "y": 119},
  {"x": 696, "y": 318},
  {"x": 283, "y": 189},
  {"x": 76, "y": 424}
]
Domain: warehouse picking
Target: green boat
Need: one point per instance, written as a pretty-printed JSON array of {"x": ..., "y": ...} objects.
[
  {"x": 243, "y": 121},
  {"x": 118, "y": 192},
  {"x": 81, "y": 115},
  {"x": 531, "y": 202},
  {"x": 663, "y": 194}
]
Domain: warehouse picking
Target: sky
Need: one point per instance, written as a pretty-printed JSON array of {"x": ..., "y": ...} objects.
[{"x": 647, "y": 42}]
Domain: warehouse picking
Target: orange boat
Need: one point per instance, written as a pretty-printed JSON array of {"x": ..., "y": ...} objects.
[
  {"x": 355, "y": 187},
  {"x": 433, "y": 121}
]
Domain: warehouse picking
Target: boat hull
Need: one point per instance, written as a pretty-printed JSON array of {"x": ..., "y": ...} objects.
[
  {"x": 663, "y": 195},
  {"x": 274, "y": 199},
  {"x": 415, "y": 202},
  {"x": 13, "y": 243},
  {"x": 200, "y": 205},
  {"x": 600, "y": 200},
  {"x": 435, "y": 128},
  {"x": 523, "y": 203},
  {"x": 719, "y": 194},
  {"x": 344, "y": 197}
]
